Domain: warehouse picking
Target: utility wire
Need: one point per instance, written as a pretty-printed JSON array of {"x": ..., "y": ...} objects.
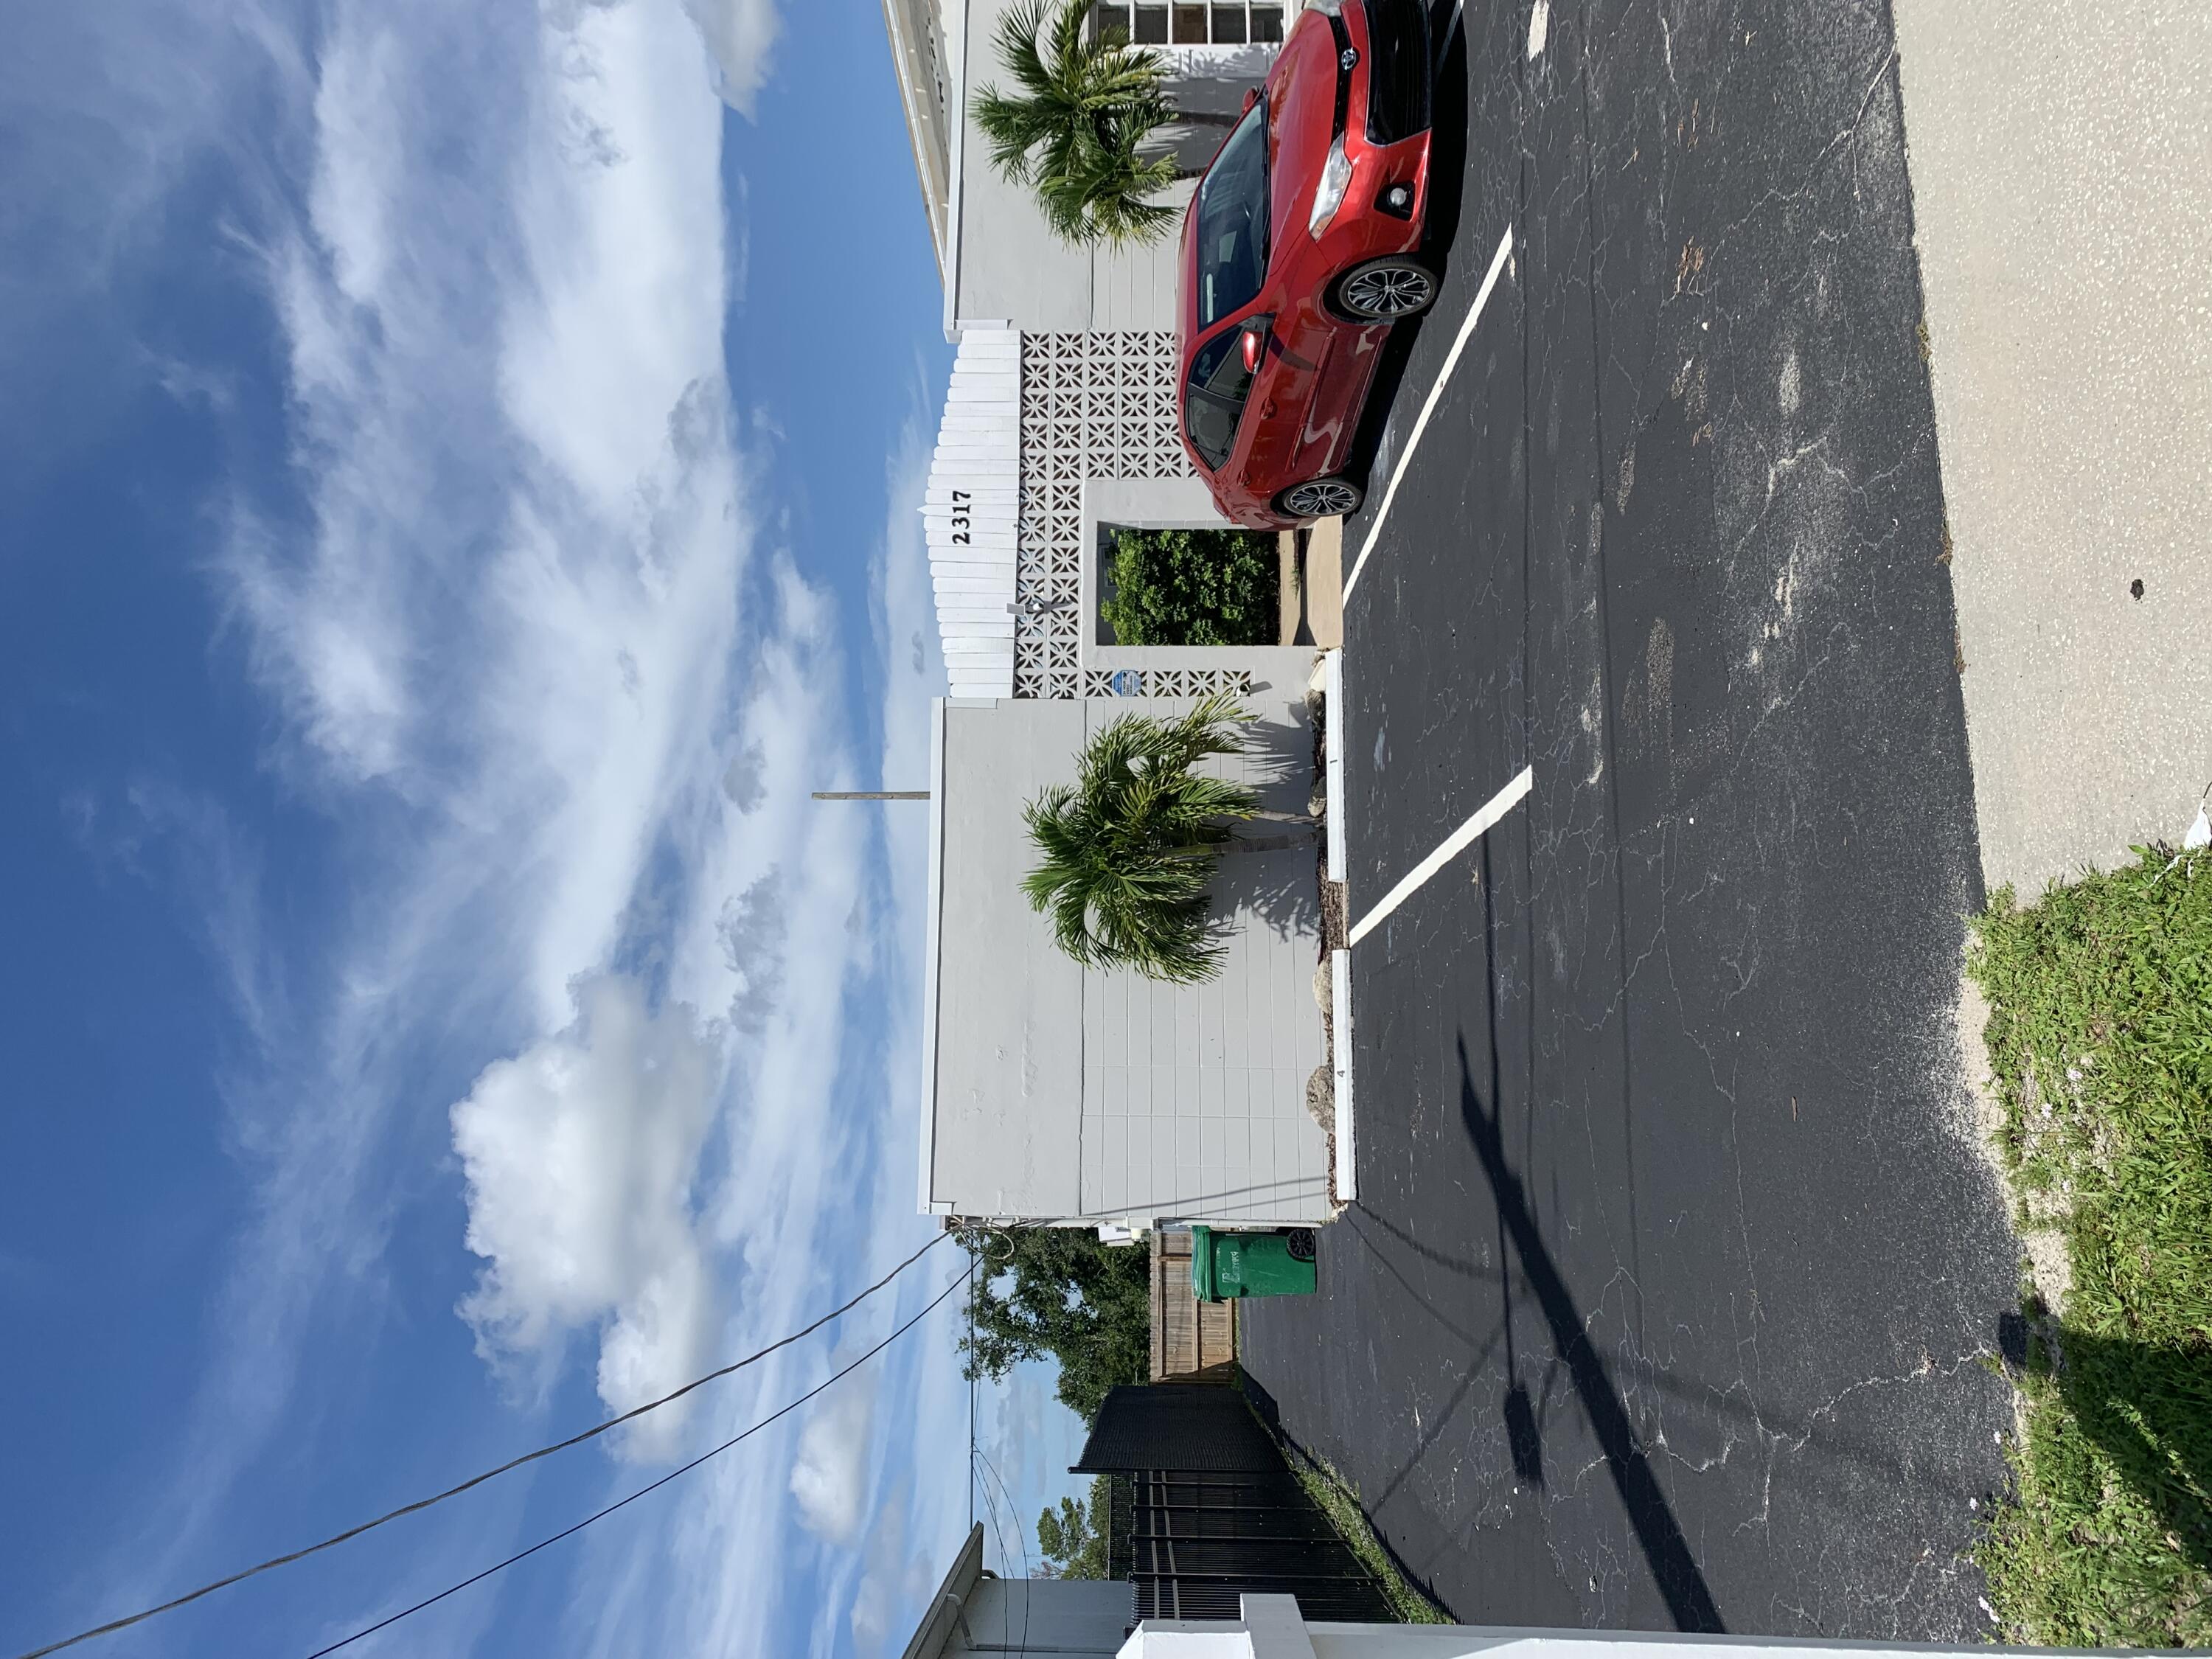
[
  {"x": 971, "y": 1390},
  {"x": 620, "y": 1502},
  {"x": 420, "y": 1504},
  {"x": 1028, "y": 1587}
]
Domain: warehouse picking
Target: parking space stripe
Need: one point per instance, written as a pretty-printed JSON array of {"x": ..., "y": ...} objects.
[
  {"x": 1457, "y": 842},
  {"x": 1429, "y": 407}
]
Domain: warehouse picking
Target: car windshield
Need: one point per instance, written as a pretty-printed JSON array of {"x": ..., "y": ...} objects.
[
  {"x": 1213, "y": 397},
  {"x": 1232, "y": 221}
]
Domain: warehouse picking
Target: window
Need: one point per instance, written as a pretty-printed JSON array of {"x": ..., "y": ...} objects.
[
  {"x": 1213, "y": 397},
  {"x": 1232, "y": 221},
  {"x": 1189, "y": 22}
]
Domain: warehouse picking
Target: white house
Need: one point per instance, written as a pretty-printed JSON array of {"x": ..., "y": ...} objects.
[
  {"x": 1060, "y": 418},
  {"x": 1052, "y": 1092}
]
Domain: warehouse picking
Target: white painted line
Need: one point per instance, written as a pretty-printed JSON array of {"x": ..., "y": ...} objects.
[
  {"x": 1340, "y": 1016},
  {"x": 1333, "y": 753},
  {"x": 1457, "y": 842},
  {"x": 1429, "y": 408}
]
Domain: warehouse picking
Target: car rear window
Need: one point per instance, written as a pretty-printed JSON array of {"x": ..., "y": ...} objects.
[
  {"x": 1232, "y": 221},
  {"x": 1213, "y": 396}
]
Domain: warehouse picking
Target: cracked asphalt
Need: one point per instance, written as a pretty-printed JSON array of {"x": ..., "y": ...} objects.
[{"x": 1671, "y": 1296}]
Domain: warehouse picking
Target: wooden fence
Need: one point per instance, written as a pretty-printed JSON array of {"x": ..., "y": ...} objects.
[{"x": 1192, "y": 1340}]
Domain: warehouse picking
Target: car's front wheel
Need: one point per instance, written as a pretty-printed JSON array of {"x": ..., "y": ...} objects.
[
  {"x": 1320, "y": 498},
  {"x": 1385, "y": 290}
]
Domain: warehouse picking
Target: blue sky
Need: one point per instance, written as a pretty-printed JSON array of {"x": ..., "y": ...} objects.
[{"x": 456, "y": 481}]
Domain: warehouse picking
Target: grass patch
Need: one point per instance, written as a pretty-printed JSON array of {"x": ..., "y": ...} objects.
[
  {"x": 1341, "y": 1505},
  {"x": 2101, "y": 1040}
]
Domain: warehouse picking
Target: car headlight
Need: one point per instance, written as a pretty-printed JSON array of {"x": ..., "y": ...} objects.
[{"x": 1335, "y": 177}]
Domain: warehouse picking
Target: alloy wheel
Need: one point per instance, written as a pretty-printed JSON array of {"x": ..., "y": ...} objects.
[
  {"x": 1386, "y": 290},
  {"x": 1322, "y": 498}
]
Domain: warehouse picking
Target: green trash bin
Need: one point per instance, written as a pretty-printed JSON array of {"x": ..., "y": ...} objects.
[{"x": 1225, "y": 1266}]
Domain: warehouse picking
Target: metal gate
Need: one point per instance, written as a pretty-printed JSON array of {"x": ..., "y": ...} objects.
[{"x": 1204, "y": 1509}]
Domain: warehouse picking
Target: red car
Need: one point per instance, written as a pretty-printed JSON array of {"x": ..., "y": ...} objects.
[{"x": 1298, "y": 254}]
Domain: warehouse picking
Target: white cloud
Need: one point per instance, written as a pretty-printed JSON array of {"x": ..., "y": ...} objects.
[
  {"x": 830, "y": 1476},
  {"x": 740, "y": 36},
  {"x": 499, "y": 606},
  {"x": 581, "y": 1155},
  {"x": 564, "y": 697}
]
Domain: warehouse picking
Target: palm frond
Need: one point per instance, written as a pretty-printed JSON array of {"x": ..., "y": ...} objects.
[
  {"x": 1071, "y": 127},
  {"x": 1128, "y": 853}
]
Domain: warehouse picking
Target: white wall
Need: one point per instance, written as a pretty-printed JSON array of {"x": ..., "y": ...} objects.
[
  {"x": 1061, "y": 1092},
  {"x": 1271, "y": 1628},
  {"x": 1007, "y": 266}
]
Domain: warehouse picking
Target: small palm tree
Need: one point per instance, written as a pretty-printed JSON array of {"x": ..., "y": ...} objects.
[
  {"x": 1129, "y": 849},
  {"x": 1072, "y": 130}
]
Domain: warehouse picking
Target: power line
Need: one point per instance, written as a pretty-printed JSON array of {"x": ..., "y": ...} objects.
[
  {"x": 972, "y": 1376},
  {"x": 1013, "y": 1511},
  {"x": 420, "y": 1504},
  {"x": 621, "y": 1502},
  {"x": 1029, "y": 1586}
]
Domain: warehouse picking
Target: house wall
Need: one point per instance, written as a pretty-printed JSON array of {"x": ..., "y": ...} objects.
[
  {"x": 1059, "y": 1092},
  {"x": 1008, "y": 267},
  {"x": 1068, "y": 1617}
]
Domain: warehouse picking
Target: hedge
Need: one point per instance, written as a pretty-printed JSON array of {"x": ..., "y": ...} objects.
[{"x": 1193, "y": 587}]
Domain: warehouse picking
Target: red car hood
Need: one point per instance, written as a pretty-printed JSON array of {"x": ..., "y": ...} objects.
[{"x": 1301, "y": 114}]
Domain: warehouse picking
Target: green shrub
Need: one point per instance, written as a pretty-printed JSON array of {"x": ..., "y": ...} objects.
[{"x": 1193, "y": 587}]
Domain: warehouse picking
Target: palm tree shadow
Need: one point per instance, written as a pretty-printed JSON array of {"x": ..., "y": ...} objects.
[
  {"x": 1276, "y": 885},
  {"x": 1275, "y": 888},
  {"x": 1680, "y": 1580}
]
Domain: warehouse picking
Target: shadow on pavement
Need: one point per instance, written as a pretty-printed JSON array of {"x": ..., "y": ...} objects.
[
  {"x": 1682, "y": 1582},
  {"x": 1448, "y": 117}
]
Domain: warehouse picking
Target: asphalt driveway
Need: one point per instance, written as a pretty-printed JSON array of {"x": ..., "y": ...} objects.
[{"x": 1672, "y": 1292}]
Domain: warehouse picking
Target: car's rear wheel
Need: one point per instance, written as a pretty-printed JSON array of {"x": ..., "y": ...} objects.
[
  {"x": 1385, "y": 290},
  {"x": 1320, "y": 498}
]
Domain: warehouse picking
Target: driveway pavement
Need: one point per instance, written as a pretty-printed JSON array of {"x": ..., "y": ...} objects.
[
  {"x": 2062, "y": 175},
  {"x": 1671, "y": 1291}
]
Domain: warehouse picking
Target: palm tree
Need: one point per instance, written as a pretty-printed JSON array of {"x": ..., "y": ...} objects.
[
  {"x": 1129, "y": 849},
  {"x": 1081, "y": 109}
]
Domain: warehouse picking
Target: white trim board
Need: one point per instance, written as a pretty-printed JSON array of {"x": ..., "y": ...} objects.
[
  {"x": 1339, "y": 1015},
  {"x": 928, "y": 1204},
  {"x": 1332, "y": 715}
]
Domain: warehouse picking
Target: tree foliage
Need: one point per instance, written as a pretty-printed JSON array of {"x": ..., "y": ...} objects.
[
  {"x": 1074, "y": 1540},
  {"x": 1059, "y": 1293},
  {"x": 1072, "y": 127},
  {"x": 1194, "y": 587},
  {"x": 1128, "y": 851}
]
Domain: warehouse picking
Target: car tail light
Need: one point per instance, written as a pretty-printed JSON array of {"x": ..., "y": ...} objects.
[{"x": 1328, "y": 195}]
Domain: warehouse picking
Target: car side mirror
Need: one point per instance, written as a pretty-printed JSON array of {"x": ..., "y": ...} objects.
[
  {"x": 1251, "y": 97},
  {"x": 1256, "y": 330}
]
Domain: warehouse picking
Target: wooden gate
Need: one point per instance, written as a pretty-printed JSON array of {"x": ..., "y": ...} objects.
[{"x": 1192, "y": 1340}]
